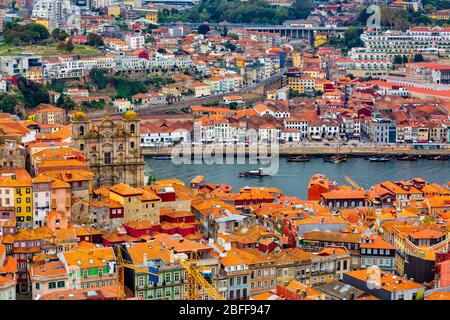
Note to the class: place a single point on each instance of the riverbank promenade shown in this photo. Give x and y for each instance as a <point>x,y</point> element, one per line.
<point>310,149</point>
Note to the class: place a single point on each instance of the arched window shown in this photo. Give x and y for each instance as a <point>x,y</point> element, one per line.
<point>81,130</point>
<point>132,128</point>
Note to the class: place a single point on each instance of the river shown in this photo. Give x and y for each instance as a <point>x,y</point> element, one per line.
<point>293,177</point>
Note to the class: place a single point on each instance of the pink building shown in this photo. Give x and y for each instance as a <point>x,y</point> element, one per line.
<point>48,278</point>
<point>61,197</point>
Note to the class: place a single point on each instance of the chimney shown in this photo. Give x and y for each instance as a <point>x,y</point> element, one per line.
<point>172,257</point>
<point>145,259</point>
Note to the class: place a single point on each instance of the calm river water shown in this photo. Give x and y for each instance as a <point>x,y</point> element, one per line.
<point>292,178</point>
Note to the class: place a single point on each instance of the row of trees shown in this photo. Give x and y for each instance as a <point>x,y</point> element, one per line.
<point>396,18</point>
<point>252,11</point>
<point>16,34</point>
<point>399,59</point>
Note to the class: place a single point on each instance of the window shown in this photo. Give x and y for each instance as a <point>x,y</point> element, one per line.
<point>52,285</point>
<point>61,284</point>
<point>108,158</point>
<point>132,145</point>
<point>176,277</point>
<point>167,293</point>
<point>141,282</point>
<point>38,286</point>
<point>167,277</point>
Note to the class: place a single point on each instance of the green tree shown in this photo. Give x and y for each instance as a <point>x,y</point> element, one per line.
<point>59,34</point>
<point>203,29</point>
<point>233,36</point>
<point>65,102</point>
<point>60,100</point>
<point>428,8</point>
<point>95,40</point>
<point>99,78</point>
<point>230,46</point>
<point>394,18</point>
<point>224,32</point>
<point>8,103</point>
<point>127,88</point>
<point>398,59</point>
<point>233,105</point>
<point>418,57</point>
<point>352,37</point>
<point>33,93</point>
<point>69,45</point>
<point>15,34</point>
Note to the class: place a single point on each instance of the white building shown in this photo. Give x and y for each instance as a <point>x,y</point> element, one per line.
<point>50,10</point>
<point>217,131</point>
<point>425,40</point>
<point>152,136</point>
<point>41,200</point>
<point>122,105</point>
<point>135,41</point>
<point>297,123</point>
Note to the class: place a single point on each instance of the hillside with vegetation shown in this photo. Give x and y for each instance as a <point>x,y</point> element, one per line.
<point>253,11</point>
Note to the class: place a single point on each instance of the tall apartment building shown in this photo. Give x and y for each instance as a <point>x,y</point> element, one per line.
<point>48,13</point>
<point>426,40</point>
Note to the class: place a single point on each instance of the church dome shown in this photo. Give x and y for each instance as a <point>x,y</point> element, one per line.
<point>80,116</point>
<point>130,115</point>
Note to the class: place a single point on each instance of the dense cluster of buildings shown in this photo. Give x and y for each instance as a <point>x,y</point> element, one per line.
<point>64,214</point>
<point>75,202</point>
